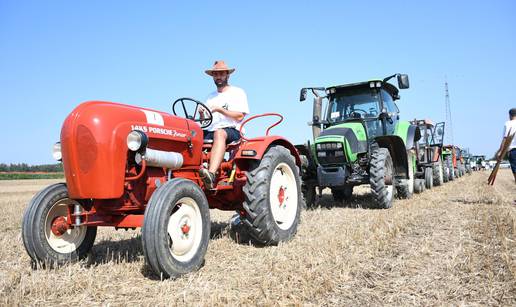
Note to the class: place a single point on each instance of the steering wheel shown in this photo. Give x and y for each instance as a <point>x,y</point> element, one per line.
<point>205,116</point>
<point>355,112</point>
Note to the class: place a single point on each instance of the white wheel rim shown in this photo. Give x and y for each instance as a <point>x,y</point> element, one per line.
<point>185,230</point>
<point>72,238</point>
<point>283,196</point>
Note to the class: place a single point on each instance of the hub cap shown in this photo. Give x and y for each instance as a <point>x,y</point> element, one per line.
<point>59,235</point>
<point>283,196</point>
<point>185,229</point>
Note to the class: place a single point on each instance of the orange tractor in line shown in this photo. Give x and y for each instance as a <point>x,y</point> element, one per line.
<point>129,167</point>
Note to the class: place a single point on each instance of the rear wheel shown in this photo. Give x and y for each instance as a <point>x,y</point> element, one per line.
<point>273,198</point>
<point>47,235</point>
<point>342,193</point>
<point>176,228</point>
<point>429,178</point>
<point>381,178</point>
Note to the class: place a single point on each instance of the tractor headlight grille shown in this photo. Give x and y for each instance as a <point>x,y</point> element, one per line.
<point>330,153</point>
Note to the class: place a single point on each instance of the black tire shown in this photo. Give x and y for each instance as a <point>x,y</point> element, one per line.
<point>176,210</point>
<point>437,170</point>
<point>419,186</point>
<point>405,188</point>
<point>42,244</point>
<point>342,193</point>
<point>429,178</point>
<point>309,193</point>
<point>381,178</point>
<point>446,173</point>
<point>260,219</point>
<point>460,168</point>
<point>449,164</point>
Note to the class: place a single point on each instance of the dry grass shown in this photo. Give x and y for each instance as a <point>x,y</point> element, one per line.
<point>453,245</point>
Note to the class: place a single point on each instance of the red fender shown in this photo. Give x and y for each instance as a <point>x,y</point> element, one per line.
<point>255,148</point>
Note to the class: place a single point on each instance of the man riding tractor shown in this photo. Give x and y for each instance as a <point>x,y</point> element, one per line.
<point>128,167</point>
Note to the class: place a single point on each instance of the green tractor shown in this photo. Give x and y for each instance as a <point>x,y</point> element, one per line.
<point>467,158</point>
<point>429,163</point>
<point>359,139</point>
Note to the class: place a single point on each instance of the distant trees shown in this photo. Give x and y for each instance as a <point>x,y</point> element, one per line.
<point>24,167</point>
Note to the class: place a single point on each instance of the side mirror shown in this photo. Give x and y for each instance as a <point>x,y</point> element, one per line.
<point>403,81</point>
<point>302,94</point>
<point>440,131</point>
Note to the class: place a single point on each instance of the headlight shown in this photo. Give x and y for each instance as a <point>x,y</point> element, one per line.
<point>321,154</point>
<point>137,140</point>
<point>56,151</point>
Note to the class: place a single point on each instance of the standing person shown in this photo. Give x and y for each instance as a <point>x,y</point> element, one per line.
<point>510,127</point>
<point>228,105</point>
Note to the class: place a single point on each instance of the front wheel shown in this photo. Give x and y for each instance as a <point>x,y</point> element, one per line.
<point>176,228</point>
<point>273,198</point>
<point>429,178</point>
<point>47,234</point>
<point>381,178</point>
<point>309,193</point>
<point>438,175</point>
<point>406,187</point>
<point>342,193</point>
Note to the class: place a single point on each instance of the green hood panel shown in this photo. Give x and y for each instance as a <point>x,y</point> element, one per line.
<point>402,129</point>
<point>352,135</point>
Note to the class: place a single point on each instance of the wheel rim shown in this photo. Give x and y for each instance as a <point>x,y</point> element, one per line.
<point>185,229</point>
<point>60,237</point>
<point>283,196</point>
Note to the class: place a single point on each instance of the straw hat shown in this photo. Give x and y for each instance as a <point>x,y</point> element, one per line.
<point>219,66</point>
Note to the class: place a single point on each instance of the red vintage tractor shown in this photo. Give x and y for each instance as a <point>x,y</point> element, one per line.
<point>129,167</point>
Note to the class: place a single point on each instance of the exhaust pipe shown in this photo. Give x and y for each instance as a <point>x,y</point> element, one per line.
<point>316,119</point>
<point>159,158</point>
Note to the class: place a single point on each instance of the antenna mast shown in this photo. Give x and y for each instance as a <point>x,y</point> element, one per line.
<point>449,125</point>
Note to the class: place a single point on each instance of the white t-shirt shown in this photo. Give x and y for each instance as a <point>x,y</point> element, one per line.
<point>510,125</point>
<point>232,99</point>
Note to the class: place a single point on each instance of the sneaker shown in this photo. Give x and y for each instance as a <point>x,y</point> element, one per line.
<point>207,177</point>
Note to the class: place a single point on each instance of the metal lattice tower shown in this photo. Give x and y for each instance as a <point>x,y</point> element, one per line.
<point>449,126</point>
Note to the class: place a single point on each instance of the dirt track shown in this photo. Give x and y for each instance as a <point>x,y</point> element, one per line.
<point>454,244</point>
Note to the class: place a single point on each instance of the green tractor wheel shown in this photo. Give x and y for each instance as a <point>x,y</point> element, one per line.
<point>341,194</point>
<point>419,186</point>
<point>405,188</point>
<point>429,178</point>
<point>381,178</point>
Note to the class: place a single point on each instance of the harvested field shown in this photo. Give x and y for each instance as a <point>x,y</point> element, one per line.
<point>452,245</point>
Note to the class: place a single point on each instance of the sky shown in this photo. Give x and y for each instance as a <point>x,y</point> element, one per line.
<point>56,54</point>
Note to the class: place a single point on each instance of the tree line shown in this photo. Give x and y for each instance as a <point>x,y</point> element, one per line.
<point>24,167</point>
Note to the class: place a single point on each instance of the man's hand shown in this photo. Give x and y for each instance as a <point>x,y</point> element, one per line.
<point>202,112</point>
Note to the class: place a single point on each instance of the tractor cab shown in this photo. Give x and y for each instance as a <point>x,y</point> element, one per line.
<point>370,103</point>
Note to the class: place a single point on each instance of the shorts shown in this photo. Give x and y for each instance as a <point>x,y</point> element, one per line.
<point>512,159</point>
<point>232,133</point>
